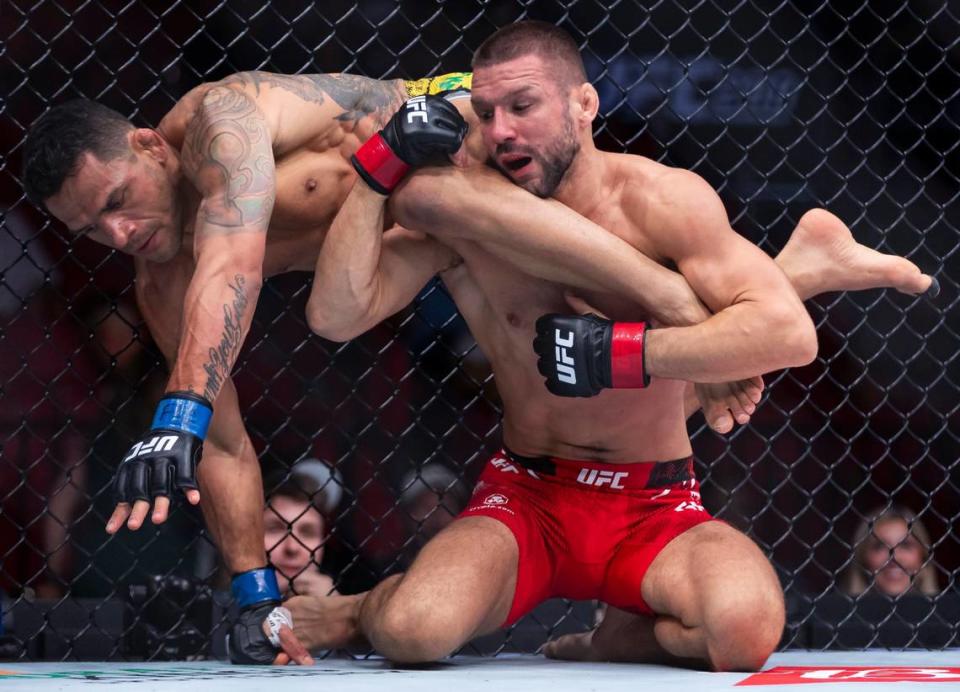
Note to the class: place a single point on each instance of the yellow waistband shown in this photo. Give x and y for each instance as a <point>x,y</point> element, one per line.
<point>452,81</point>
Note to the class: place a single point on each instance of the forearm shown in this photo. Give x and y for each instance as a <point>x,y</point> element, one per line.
<point>233,504</point>
<point>346,282</point>
<point>742,341</point>
<point>218,309</point>
<point>227,154</point>
<point>542,237</point>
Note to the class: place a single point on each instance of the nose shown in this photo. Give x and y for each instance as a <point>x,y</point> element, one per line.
<point>118,230</point>
<point>291,546</point>
<point>501,127</point>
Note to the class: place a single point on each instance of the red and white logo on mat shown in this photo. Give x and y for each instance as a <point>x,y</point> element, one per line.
<point>496,499</point>
<point>794,675</point>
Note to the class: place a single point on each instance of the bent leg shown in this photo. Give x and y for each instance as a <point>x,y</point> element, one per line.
<point>717,601</point>
<point>718,598</point>
<point>461,585</point>
<point>541,237</point>
<point>621,637</point>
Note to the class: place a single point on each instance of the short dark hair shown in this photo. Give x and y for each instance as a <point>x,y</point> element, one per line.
<point>311,481</point>
<point>544,39</point>
<point>57,141</point>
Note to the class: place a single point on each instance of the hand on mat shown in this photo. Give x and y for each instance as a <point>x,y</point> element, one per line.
<point>293,650</point>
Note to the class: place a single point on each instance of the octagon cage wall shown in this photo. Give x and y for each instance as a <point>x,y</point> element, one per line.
<point>781,106</point>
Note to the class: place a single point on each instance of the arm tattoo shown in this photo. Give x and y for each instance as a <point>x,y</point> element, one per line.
<point>223,356</point>
<point>229,154</point>
<point>359,97</point>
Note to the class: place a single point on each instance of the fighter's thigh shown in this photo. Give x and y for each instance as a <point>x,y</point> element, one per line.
<point>711,571</point>
<point>467,574</point>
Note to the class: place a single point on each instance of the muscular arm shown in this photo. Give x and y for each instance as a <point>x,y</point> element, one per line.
<point>227,155</point>
<point>229,472</point>
<point>759,324</point>
<point>365,275</point>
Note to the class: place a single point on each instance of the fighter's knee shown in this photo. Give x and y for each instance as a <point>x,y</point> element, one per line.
<point>424,199</point>
<point>412,633</point>
<point>744,634</point>
<point>797,333</point>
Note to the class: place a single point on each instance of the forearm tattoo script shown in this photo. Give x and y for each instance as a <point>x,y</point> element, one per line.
<point>223,356</point>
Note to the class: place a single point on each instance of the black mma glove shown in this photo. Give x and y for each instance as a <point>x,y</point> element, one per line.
<point>166,456</point>
<point>579,355</point>
<point>258,596</point>
<point>425,129</point>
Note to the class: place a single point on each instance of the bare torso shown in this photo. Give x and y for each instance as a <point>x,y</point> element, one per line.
<point>501,305</point>
<point>321,128</point>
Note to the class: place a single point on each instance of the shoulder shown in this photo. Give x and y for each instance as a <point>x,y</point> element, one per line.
<point>668,199</point>
<point>174,124</point>
<point>660,190</point>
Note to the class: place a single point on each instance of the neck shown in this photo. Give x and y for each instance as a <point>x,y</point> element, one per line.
<point>581,186</point>
<point>189,202</point>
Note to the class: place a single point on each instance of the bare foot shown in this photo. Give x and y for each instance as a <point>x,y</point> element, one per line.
<point>727,403</point>
<point>571,647</point>
<point>822,256</point>
<point>622,637</point>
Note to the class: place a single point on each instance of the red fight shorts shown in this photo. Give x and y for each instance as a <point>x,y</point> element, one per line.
<point>586,530</point>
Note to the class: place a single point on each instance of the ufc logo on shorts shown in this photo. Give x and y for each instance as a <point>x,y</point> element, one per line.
<point>417,109</point>
<point>598,478</point>
<point>504,465</point>
<point>565,371</point>
<point>157,444</point>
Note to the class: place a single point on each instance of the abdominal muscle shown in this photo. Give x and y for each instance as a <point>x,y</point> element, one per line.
<point>615,426</point>
<point>500,305</point>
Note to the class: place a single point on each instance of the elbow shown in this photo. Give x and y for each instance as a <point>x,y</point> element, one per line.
<point>798,337</point>
<point>323,321</point>
<point>426,201</point>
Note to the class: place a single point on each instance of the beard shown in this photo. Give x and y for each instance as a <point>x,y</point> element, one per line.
<point>554,161</point>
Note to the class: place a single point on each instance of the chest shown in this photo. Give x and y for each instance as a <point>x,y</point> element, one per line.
<point>515,298</point>
<point>311,186</point>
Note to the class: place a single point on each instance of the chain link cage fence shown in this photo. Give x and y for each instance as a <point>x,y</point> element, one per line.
<point>781,106</point>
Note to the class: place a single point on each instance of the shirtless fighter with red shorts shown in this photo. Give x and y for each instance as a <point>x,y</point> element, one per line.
<point>592,497</point>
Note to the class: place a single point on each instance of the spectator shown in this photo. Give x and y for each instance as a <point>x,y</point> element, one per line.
<point>892,556</point>
<point>301,505</point>
<point>431,497</point>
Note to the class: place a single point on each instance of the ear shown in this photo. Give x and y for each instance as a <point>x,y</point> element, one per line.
<point>589,101</point>
<point>150,143</point>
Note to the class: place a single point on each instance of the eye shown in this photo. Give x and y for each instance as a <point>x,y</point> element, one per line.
<point>116,201</point>
<point>485,115</point>
<point>521,107</point>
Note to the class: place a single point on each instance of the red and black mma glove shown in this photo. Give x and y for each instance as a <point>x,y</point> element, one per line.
<point>580,355</point>
<point>424,130</point>
<point>167,455</point>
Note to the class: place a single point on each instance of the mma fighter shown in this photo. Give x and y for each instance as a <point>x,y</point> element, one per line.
<point>592,497</point>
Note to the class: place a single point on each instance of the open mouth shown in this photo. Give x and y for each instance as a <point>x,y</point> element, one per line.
<point>514,164</point>
<point>145,243</point>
